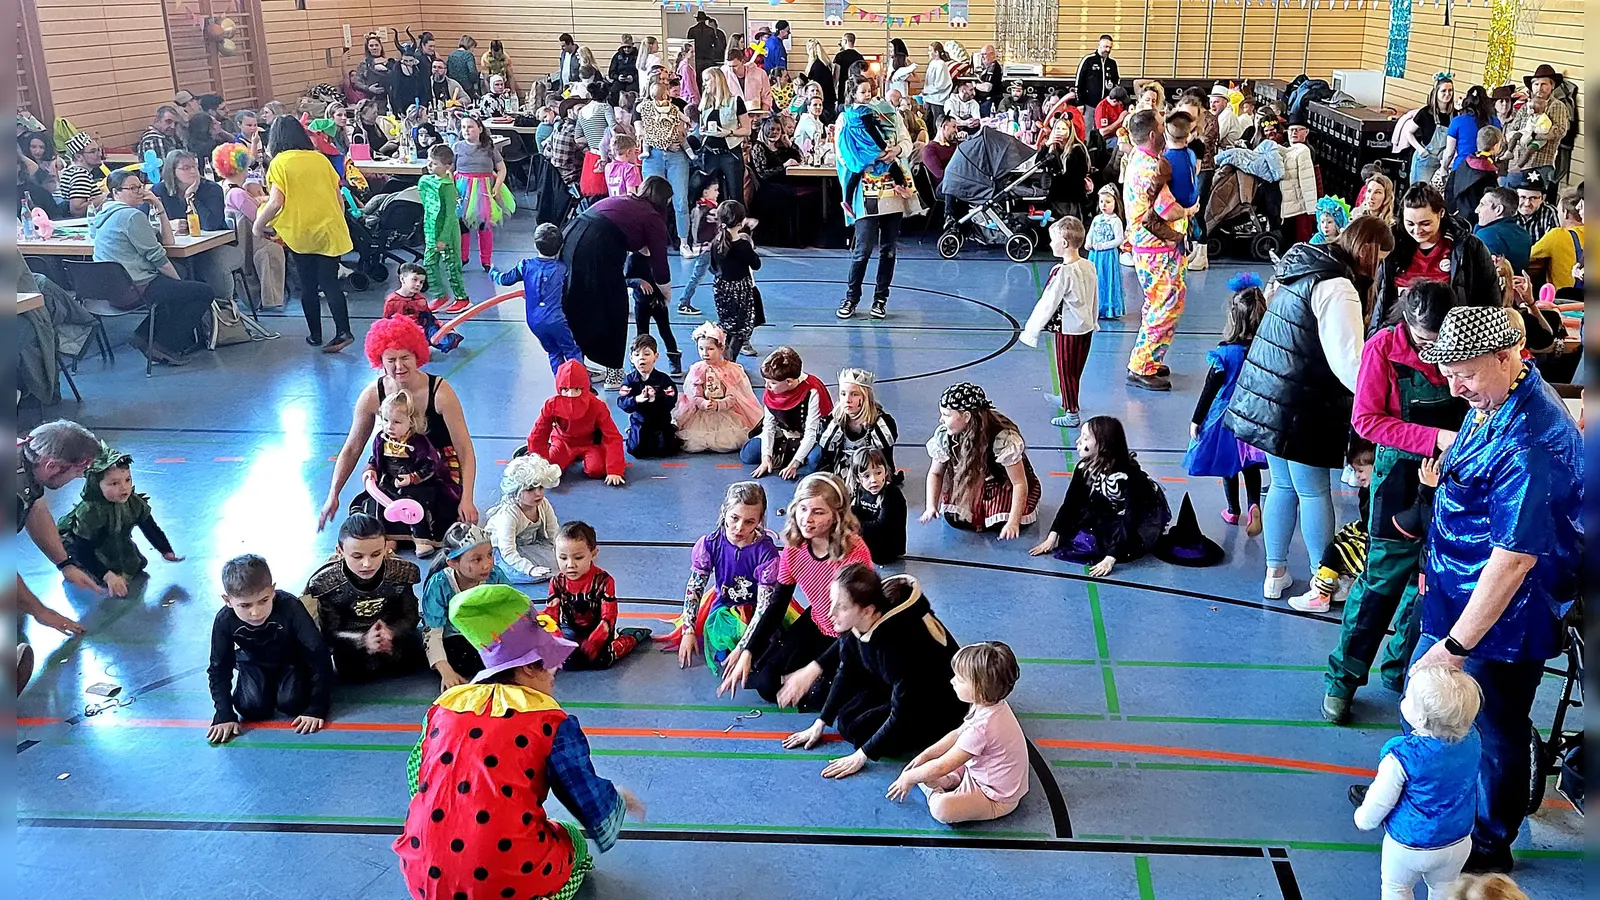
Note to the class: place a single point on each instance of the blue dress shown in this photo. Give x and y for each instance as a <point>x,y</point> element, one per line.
<point>1107,269</point>
<point>1216,452</point>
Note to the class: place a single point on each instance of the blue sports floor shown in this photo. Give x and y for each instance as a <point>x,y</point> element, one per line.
<point>1174,714</point>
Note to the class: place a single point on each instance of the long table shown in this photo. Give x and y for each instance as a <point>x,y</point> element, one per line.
<point>389,166</point>
<point>182,245</point>
<point>27,302</point>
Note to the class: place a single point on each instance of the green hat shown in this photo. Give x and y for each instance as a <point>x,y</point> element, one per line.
<point>498,620</point>
<point>107,459</point>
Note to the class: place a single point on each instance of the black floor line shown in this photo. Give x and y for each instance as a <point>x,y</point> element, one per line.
<point>26,745</point>
<point>1287,883</point>
<point>953,842</point>
<point>1052,792</point>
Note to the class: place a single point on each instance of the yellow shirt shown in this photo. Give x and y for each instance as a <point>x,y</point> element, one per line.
<point>312,220</point>
<point>1556,246</point>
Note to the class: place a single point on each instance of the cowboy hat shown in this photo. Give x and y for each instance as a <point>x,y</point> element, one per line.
<point>1504,92</point>
<point>1471,331</point>
<point>1545,70</point>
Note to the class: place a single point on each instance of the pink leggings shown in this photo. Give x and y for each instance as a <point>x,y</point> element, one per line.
<point>485,244</point>
<point>957,798</point>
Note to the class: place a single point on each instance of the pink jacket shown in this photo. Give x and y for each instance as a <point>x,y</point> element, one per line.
<point>1377,406</point>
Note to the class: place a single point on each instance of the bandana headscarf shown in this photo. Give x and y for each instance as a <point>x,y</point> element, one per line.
<point>964,397</point>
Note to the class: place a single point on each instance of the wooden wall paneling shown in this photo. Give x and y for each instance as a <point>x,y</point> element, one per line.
<point>108,64</point>
<point>33,84</point>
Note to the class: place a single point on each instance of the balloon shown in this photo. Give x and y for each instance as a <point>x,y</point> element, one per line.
<point>42,224</point>
<point>472,311</point>
<point>228,47</point>
<point>406,512</point>
<point>227,26</point>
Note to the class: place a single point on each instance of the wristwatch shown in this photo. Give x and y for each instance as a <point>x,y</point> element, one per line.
<point>1454,647</point>
<point>69,561</point>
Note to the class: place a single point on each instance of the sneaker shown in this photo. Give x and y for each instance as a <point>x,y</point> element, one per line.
<point>613,380</point>
<point>459,306</point>
<point>1312,601</point>
<point>486,267</point>
<point>688,309</point>
<point>339,342</point>
<point>880,309</point>
<point>675,362</point>
<point>1275,585</point>
<point>1070,420</point>
<point>1337,711</point>
<point>1149,382</point>
<point>425,548</point>
<point>1232,518</point>
<point>847,309</point>
<point>1252,525</point>
<point>748,349</point>
<point>1343,591</point>
<point>311,339</point>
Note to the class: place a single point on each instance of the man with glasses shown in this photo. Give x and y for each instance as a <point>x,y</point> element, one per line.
<point>83,180</point>
<point>125,235</point>
<point>161,137</point>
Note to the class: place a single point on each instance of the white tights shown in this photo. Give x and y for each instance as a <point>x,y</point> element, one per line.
<point>1439,869</point>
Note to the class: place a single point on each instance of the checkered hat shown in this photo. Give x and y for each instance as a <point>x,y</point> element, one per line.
<point>965,397</point>
<point>79,143</point>
<point>1470,331</point>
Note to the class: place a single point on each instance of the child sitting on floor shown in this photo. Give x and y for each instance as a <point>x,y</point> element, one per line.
<point>467,561</point>
<point>404,465</point>
<point>716,408</point>
<point>1426,793</point>
<point>979,771</point>
<point>271,642</point>
<point>98,531</point>
<point>1213,450</point>
<point>365,603</point>
<point>796,403</point>
<point>1345,557</point>
<point>726,570</point>
<point>583,602</point>
<point>1114,511</point>
<point>858,422</point>
<point>410,300</point>
<point>523,525</point>
<point>543,279</point>
<point>648,396</point>
<point>575,424</point>
<point>878,503</point>
<point>1067,307</point>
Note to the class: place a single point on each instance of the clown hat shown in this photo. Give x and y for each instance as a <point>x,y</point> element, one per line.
<point>497,619</point>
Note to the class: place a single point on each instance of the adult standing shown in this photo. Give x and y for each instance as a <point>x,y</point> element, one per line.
<point>596,250</point>
<point>890,693</point>
<point>374,75</point>
<point>844,61</point>
<point>52,456</point>
<point>1461,140</point>
<point>1504,557</point>
<point>1402,406</point>
<point>876,221</point>
<point>775,53</point>
<point>569,64</point>
<point>1156,260</point>
<point>1437,247</point>
<point>937,85</point>
<point>398,349</point>
<point>664,148</point>
<point>1066,158</point>
<point>496,62</point>
<point>1424,132</point>
<point>1097,75</point>
<point>304,210</point>
<point>819,74</point>
<point>748,82</point>
<point>1230,126</point>
<point>900,68</point>
<point>1532,145</point>
<point>624,70</point>
<point>462,66</point>
<point>124,235</point>
<point>411,84</point>
<point>988,78</point>
<point>724,126</point>
<point>649,62</point>
<point>1296,390</point>
<point>710,43</point>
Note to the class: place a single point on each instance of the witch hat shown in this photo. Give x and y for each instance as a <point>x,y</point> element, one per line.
<point>1185,544</point>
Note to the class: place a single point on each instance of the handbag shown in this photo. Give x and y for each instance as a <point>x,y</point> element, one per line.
<point>223,324</point>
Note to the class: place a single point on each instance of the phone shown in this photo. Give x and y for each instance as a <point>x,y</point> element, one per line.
<point>103,689</point>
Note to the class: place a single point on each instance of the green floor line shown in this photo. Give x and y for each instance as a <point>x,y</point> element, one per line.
<point>477,352</point>
<point>1287,723</point>
<point>1259,667</point>
<point>1141,872</point>
<point>1108,676</point>
<point>1083,763</point>
<point>1102,647</point>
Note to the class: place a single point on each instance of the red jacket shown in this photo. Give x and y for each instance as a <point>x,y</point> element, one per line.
<point>1377,405</point>
<point>577,421</point>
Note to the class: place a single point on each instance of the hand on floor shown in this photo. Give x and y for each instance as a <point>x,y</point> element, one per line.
<point>49,618</point>
<point>224,732</point>
<point>1009,531</point>
<point>1102,568</point>
<point>1047,545</point>
<point>901,787</point>
<point>686,647</point>
<point>82,580</point>
<point>634,805</point>
<point>845,766</point>
<point>307,724</point>
<point>738,674</point>
<point>805,739</point>
<point>170,556</point>
<point>116,585</point>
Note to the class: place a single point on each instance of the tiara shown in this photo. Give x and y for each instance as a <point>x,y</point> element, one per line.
<point>859,377</point>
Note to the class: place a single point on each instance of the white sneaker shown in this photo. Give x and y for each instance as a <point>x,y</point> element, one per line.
<point>1275,585</point>
<point>1310,601</point>
<point>1345,584</point>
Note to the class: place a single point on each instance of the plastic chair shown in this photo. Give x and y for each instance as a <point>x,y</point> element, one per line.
<point>105,289</point>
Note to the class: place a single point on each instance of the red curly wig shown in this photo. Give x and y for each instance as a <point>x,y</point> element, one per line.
<point>396,333</point>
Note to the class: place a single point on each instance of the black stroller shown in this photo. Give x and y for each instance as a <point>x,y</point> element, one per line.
<point>1243,212</point>
<point>1561,754</point>
<point>987,188</point>
<point>389,225</point>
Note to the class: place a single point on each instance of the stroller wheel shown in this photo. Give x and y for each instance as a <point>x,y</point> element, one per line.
<point>1019,247</point>
<point>1539,759</point>
<point>378,272</point>
<point>1263,246</point>
<point>950,244</point>
<point>1214,247</point>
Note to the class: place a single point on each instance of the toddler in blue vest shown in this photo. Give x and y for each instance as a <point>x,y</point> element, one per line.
<point>1426,793</point>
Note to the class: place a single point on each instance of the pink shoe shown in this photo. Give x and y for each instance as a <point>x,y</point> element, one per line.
<point>1231,518</point>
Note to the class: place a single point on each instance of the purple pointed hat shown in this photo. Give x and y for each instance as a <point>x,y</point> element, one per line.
<point>499,621</point>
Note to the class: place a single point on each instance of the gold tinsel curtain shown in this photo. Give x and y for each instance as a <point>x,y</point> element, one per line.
<point>1026,29</point>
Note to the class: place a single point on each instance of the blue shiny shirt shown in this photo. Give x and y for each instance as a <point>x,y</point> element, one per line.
<point>1512,481</point>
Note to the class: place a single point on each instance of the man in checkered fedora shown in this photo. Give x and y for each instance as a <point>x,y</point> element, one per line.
<point>1504,550</point>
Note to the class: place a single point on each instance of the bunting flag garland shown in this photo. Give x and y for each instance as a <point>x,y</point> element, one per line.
<point>948,10</point>
<point>1502,41</point>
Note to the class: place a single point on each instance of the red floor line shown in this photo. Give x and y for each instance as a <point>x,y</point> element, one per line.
<point>169,459</point>
<point>1283,762</point>
<point>730,465</point>
<point>674,465</point>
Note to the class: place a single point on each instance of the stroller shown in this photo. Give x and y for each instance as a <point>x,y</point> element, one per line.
<point>1561,754</point>
<point>389,225</point>
<point>994,174</point>
<point>1240,213</point>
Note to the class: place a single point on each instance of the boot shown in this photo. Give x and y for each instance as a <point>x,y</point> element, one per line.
<point>675,362</point>
<point>1198,260</point>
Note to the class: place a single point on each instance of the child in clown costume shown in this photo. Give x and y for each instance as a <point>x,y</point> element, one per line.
<point>490,753</point>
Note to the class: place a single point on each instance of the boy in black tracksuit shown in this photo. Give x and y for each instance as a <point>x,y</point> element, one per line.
<point>648,396</point>
<point>269,639</point>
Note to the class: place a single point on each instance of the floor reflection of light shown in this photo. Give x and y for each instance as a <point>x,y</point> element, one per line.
<point>272,511</point>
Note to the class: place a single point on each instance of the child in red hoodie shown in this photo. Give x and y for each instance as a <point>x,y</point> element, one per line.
<point>575,424</point>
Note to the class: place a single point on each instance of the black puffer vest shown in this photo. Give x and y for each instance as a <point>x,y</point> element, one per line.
<point>1288,402</point>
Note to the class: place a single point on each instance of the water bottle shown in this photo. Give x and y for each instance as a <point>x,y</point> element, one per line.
<point>28,231</point>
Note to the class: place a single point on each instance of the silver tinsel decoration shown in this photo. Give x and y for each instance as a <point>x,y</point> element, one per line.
<point>1027,28</point>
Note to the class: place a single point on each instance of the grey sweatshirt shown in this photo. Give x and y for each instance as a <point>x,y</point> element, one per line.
<point>123,235</point>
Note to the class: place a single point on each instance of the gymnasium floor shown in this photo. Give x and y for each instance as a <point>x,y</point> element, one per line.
<point>1178,751</point>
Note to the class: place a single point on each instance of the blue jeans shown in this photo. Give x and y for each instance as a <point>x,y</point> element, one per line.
<point>1303,490</point>
<point>750,455</point>
<point>1505,726</point>
<point>697,273</point>
<point>555,336</point>
<point>673,165</point>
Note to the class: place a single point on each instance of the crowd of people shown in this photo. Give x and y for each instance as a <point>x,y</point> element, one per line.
<point>1400,337</point>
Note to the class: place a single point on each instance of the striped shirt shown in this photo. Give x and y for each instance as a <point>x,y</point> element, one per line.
<point>79,183</point>
<point>814,577</point>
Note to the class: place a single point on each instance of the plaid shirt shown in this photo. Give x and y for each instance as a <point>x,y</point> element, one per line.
<point>158,142</point>
<point>594,800</point>
<point>565,150</point>
<point>1550,143</point>
<point>1540,222</point>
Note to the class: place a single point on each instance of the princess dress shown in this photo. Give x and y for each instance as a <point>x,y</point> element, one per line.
<point>1106,229</point>
<point>722,430</point>
<point>481,204</point>
<point>1215,452</point>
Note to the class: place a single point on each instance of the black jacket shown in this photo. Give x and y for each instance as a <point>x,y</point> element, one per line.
<point>1467,187</point>
<point>346,608</point>
<point>624,72</point>
<point>288,638</point>
<point>1288,403</point>
<point>883,520</point>
<point>1472,271</point>
<point>1097,75</point>
<point>907,653</point>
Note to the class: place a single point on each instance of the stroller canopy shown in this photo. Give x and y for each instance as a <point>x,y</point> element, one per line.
<point>981,161</point>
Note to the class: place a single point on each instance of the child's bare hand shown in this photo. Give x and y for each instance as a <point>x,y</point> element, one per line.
<point>901,787</point>
<point>738,673</point>
<point>1045,546</point>
<point>307,724</point>
<point>403,480</point>
<point>441,246</point>
<point>633,804</point>
<point>1102,568</point>
<point>764,469</point>
<point>686,649</point>
<point>378,639</point>
<point>49,618</point>
<point>615,480</point>
<point>928,514</point>
<point>791,471</point>
<point>805,739</point>
<point>1445,439</point>
<point>1428,473</point>
<point>116,584</point>
<point>449,678</point>
<point>171,556</point>
<point>1009,531</point>
<point>1194,431</point>
<point>224,732</point>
